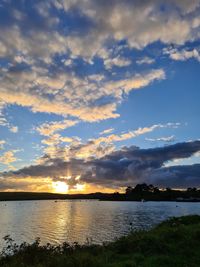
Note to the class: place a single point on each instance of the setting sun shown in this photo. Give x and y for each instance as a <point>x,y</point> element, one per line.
<point>60,187</point>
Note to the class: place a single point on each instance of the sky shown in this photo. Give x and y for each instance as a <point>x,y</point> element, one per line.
<point>99,95</point>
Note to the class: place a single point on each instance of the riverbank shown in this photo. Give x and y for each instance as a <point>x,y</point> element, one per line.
<point>174,243</point>
<point>172,195</point>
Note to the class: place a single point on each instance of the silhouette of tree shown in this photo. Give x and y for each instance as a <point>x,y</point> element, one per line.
<point>129,190</point>
<point>151,188</point>
<point>141,188</point>
<point>168,190</point>
<point>156,190</point>
<point>190,189</point>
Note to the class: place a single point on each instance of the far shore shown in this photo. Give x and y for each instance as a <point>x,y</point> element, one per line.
<point>174,195</point>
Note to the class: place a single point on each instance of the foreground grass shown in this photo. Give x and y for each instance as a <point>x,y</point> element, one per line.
<point>173,243</point>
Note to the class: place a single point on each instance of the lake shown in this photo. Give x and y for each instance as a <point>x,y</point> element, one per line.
<point>80,220</point>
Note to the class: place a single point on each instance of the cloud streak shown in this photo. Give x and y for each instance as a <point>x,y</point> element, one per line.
<point>48,129</point>
<point>163,139</point>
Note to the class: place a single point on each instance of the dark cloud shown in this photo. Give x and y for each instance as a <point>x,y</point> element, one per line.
<point>177,176</point>
<point>123,167</point>
<point>51,168</point>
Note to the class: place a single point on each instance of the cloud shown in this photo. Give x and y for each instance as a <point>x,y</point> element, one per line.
<point>55,139</point>
<point>130,166</point>
<point>8,157</point>
<point>127,166</point>
<point>117,61</point>
<point>96,147</point>
<point>133,134</point>
<point>3,121</point>
<point>164,139</point>
<point>47,129</point>
<point>140,23</point>
<point>79,97</point>
<point>13,129</point>
<point>38,49</point>
<point>2,143</point>
<point>28,185</point>
<point>107,131</point>
<point>145,60</point>
<point>184,54</point>
<point>182,176</point>
<point>71,100</point>
<point>137,82</point>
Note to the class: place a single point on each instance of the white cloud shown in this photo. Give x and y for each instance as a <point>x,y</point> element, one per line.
<point>3,120</point>
<point>13,129</point>
<point>8,157</point>
<point>164,139</point>
<point>90,98</point>
<point>97,147</point>
<point>68,62</point>
<point>136,82</point>
<point>145,60</point>
<point>117,61</point>
<point>136,22</point>
<point>70,95</point>
<point>183,54</point>
<point>50,128</point>
<point>139,23</point>
<point>135,133</point>
<point>107,131</point>
<point>2,143</point>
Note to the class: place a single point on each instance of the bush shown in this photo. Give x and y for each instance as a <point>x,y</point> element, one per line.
<point>173,243</point>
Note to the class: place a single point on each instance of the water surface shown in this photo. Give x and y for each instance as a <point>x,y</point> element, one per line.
<point>97,221</point>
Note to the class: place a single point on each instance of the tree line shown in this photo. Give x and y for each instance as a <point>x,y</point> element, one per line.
<point>145,188</point>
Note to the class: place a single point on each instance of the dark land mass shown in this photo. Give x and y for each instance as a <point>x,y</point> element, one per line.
<point>141,192</point>
<point>174,243</point>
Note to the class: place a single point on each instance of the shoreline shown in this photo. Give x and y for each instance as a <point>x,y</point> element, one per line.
<point>175,196</point>
<point>174,242</point>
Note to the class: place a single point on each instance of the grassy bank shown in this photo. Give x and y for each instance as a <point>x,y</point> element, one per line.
<point>173,243</point>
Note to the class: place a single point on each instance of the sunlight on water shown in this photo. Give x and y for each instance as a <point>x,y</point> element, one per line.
<point>98,221</point>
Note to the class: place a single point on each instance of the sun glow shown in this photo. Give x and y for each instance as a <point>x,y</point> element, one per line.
<point>60,187</point>
<point>80,187</point>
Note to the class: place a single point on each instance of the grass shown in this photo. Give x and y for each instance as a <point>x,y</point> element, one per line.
<point>173,243</point>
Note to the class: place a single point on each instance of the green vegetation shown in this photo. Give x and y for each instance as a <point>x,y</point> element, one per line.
<point>174,243</point>
<point>152,193</point>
